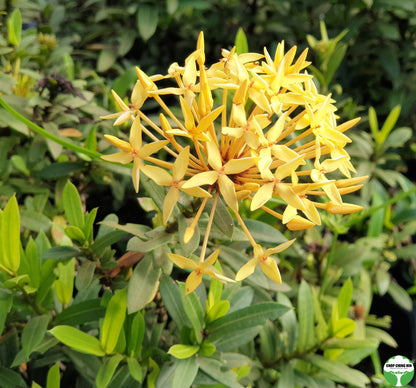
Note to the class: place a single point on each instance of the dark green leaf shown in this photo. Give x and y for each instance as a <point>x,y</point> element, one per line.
<point>142,284</point>
<point>35,221</point>
<point>305,317</point>
<point>34,332</point>
<point>72,205</point>
<point>58,170</point>
<point>213,368</point>
<point>10,378</point>
<point>135,369</point>
<point>107,370</point>
<point>185,372</point>
<point>244,318</point>
<point>172,300</point>
<point>80,313</point>
<point>137,245</point>
<point>193,310</point>
<point>63,252</point>
<point>147,20</point>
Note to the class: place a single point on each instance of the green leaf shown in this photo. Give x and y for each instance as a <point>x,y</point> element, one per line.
<point>172,6</point>
<point>135,332</point>
<point>185,372</point>
<point>400,296</point>
<point>183,351</point>
<point>6,303</point>
<point>62,169</point>
<point>218,310</point>
<point>147,20</point>
<point>64,285</point>
<point>373,121</point>
<point>35,221</point>
<point>264,233</point>
<point>34,332</point>
<point>338,372</point>
<point>172,300</point>
<point>241,44</point>
<point>75,233</point>
<point>78,340</point>
<point>10,378</point>
<point>113,320</point>
<point>63,252</point>
<point>377,218</point>
<point>287,377</point>
<point>14,25</point>
<point>106,59</point>
<point>343,327</point>
<point>244,318</point>
<point>107,370</point>
<point>91,140</point>
<point>193,310</point>
<point>289,324</point>
<point>80,313</point>
<point>10,236</point>
<point>137,245</point>
<point>213,368</point>
<point>305,317</point>
<point>349,343</point>
<point>344,299</point>
<point>142,284</point>
<point>72,205</point>
<point>53,379</point>
<point>31,263</point>
<point>135,369</point>
<point>389,123</point>
<point>85,275</point>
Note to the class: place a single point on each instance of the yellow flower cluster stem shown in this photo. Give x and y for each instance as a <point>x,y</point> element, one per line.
<point>271,135</point>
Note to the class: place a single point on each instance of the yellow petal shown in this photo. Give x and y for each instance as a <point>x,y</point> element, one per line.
<point>192,282</point>
<point>289,196</point>
<point>181,164</point>
<point>119,101</point>
<point>187,115</point>
<point>138,95</point>
<point>299,223</point>
<point>227,190</point>
<point>275,131</point>
<point>169,203</point>
<point>195,192</point>
<point>286,169</point>
<point>136,134</point>
<point>311,212</point>
<point>201,179</point>
<point>122,118</point>
<point>123,145</point>
<point>279,248</point>
<point>289,213</point>
<point>211,259</point>
<point>157,174</point>
<point>269,268</point>
<point>135,174</point>
<point>214,156</point>
<point>182,262</point>
<point>151,148</point>
<point>333,193</point>
<point>345,208</point>
<point>246,270</point>
<point>263,194</point>
<point>235,166</point>
<point>209,119</point>
<point>234,132</point>
<point>119,157</point>
<point>284,153</point>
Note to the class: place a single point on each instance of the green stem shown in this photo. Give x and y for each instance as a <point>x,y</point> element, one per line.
<point>36,128</point>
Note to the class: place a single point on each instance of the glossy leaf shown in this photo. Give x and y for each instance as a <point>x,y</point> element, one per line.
<point>78,340</point>
<point>147,20</point>
<point>338,372</point>
<point>61,253</point>
<point>244,318</point>
<point>172,300</point>
<point>79,313</point>
<point>183,351</point>
<point>72,205</point>
<point>10,236</point>
<point>10,379</point>
<point>53,379</point>
<point>135,334</point>
<point>14,25</point>
<point>34,332</point>
<point>142,284</point>
<point>193,310</point>
<point>113,320</point>
<point>135,369</point>
<point>107,370</point>
<point>64,285</point>
<point>185,372</point>
<point>305,317</point>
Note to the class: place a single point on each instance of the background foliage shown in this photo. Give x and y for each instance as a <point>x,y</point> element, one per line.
<point>80,307</point>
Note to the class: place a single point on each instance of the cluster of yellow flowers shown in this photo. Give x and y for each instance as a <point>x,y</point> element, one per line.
<point>271,135</point>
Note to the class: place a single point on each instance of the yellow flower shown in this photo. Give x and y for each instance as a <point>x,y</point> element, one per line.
<point>133,150</point>
<point>219,173</point>
<point>175,182</point>
<point>267,264</point>
<point>195,277</point>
